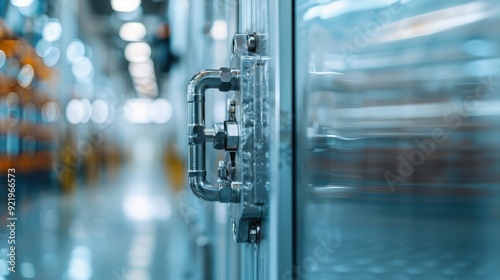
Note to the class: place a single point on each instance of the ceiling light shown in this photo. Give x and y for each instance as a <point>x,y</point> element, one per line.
<point>141,69</point>
<point>132,31</point>
<point>52,31</point>
<point>125,5</point>
<point>137,52</point>
<point>75,111</point>
<point>51,56</point>
<point>42,47</point>
<point>87,110</point>
<point>100,111</point>
<point>219,30</point>
<point>22,3</point>
<point>142,111</point>
<point>75,51</point>
<point>83,68</point>
<point>26,75</point>
<point>162,111</point>
<point>50,111</point>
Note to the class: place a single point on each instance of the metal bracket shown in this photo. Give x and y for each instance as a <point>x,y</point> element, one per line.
<point>248,43</point>
<point>251,172</point>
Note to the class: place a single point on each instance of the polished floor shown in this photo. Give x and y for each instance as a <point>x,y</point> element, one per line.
<point>114,230</point>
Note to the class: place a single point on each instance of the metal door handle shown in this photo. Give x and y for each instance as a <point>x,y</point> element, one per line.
<point>225,79</point>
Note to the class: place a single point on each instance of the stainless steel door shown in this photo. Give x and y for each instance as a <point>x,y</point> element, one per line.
<point>398,130</point>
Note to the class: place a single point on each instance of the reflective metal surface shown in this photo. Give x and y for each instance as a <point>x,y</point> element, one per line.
<point>398,107</point>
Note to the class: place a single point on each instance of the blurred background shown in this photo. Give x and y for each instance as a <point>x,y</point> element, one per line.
<point>92,118</point>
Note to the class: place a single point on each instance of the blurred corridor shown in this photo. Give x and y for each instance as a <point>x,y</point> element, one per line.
<point>85,124</point>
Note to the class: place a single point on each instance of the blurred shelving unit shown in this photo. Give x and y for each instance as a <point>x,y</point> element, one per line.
<point>28,107</point>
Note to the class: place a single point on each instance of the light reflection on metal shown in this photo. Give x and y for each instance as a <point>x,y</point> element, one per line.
<point>434,22</point>
<point>341,7</point>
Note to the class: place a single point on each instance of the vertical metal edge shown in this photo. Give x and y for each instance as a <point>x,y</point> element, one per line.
<point>281,188</point>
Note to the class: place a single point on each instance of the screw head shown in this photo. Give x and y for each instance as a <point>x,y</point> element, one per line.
<point>232,135</point>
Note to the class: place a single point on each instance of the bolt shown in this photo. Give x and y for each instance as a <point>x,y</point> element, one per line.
<point>196,134</point>
<point>219,136</point>
<point>231,135</point>
<point>252,42</point>
<point>225,77</point>
<point>222,171</point>
<point>254,233</point>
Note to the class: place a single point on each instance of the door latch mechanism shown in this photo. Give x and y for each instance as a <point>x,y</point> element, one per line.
<point>243,180</point>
